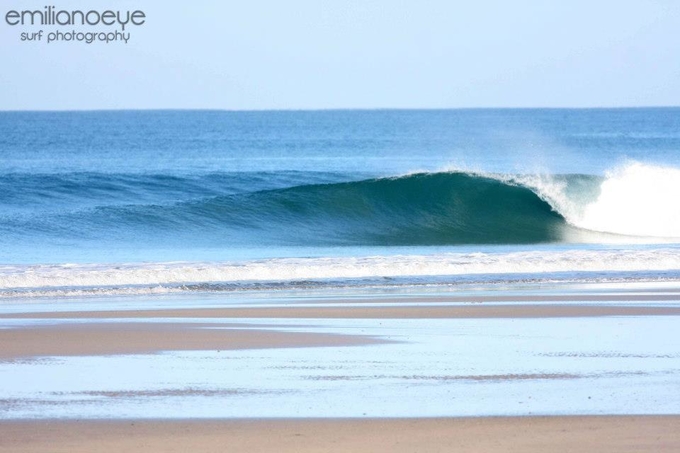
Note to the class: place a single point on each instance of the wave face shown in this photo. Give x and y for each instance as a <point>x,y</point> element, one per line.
<point>417,209</point>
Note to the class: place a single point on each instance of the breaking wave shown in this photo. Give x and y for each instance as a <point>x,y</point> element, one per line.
<point>440,208</point>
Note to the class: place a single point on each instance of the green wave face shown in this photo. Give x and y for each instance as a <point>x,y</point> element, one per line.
<point>419,209</point>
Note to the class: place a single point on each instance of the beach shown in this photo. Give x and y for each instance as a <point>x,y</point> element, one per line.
<point>339,372</point>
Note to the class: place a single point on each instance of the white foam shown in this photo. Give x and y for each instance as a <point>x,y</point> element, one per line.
<point>637,200</point>
<point>145,278</point>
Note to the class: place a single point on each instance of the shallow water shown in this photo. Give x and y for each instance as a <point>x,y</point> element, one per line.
<point>427,368</point>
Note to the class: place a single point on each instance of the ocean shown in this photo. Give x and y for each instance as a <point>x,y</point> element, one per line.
<point>163,202</point>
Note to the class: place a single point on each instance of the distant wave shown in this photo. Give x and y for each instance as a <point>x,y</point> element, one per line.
<point>441,208</point>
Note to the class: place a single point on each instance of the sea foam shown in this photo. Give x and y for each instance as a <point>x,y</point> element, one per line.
<point>144,278</point>
<point>635,199</point>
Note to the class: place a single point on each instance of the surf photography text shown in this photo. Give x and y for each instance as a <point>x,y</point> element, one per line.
<point>75,26</point>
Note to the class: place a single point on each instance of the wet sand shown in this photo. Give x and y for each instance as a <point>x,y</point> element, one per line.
<point>111,332</point>
<point>390,309</point>
<point>491,434</point>
<point>100,337</point>
<point>72,339</point>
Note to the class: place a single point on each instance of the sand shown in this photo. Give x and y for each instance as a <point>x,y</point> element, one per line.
<point>491,434</point>
<point>390,310</point>
<point>70,339</point>
<point>121,332</point>
<point>99,337</point>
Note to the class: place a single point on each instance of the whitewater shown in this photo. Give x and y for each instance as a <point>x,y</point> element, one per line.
<point>634,199</point>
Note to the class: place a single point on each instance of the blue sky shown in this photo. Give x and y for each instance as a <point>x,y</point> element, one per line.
<point>306,54</point>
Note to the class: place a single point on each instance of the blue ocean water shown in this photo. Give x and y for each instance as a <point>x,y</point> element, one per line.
<point>153,201</point>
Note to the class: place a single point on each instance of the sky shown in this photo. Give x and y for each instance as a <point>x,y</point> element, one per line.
<point>318,54</point>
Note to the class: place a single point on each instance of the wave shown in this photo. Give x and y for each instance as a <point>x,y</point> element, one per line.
<point>420,209</point>
<point>441,208</point>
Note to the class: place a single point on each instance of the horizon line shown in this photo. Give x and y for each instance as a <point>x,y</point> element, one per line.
<point>330,109</point>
